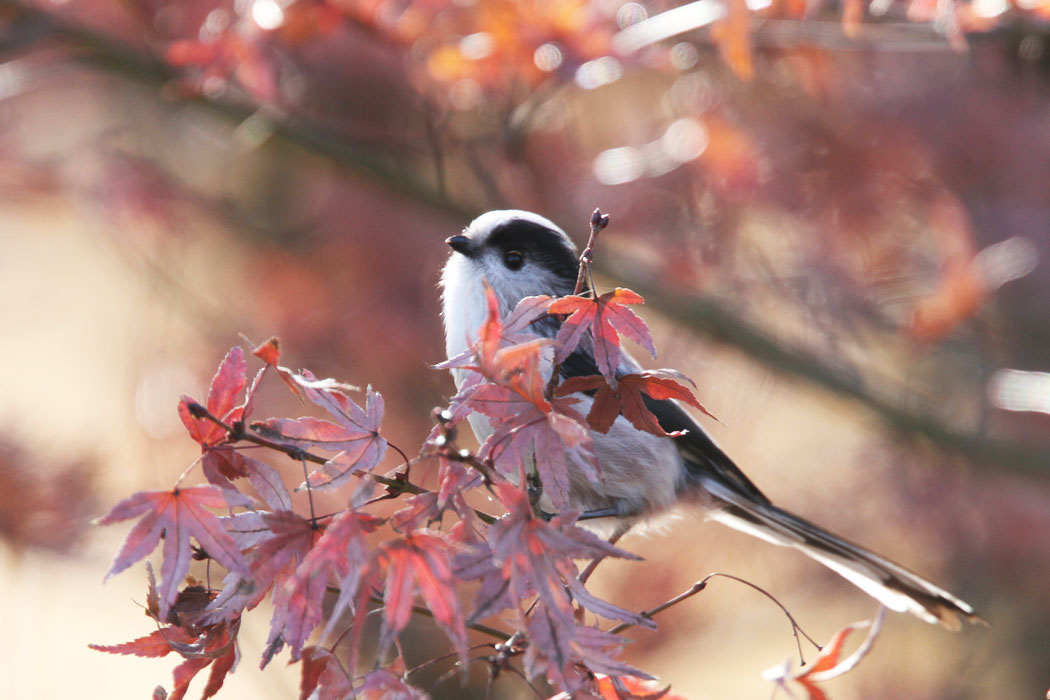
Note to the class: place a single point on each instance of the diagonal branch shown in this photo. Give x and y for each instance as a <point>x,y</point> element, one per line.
<point>714,318</point>
<point>705,314</point>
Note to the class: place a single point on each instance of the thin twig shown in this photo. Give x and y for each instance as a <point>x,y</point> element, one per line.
<point>422,610</point>
<point>525,680</point>
<point>598,222</point>
<point>648,614</point>
<point>445,657</point>
<point>238,433</point>
<point>701,584</point>
<point>593,564</point>
<point>399,484</point>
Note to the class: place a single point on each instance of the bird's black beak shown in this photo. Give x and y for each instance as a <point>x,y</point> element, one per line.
<point>461,244</point>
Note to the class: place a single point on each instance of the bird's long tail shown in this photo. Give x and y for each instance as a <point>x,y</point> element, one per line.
<point>891,584</point>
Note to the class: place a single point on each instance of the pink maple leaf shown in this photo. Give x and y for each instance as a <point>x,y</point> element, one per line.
<point>339,555</point>
<point>354,433</point>
<point>829,662</point>
<point>226,385</point>
<point>606,317</point>
<point>527,435</point>
<point>627,398</point>
<point>381,684</point>
<point>537,558</point>
<point>177,515</point>
<point>421,561</point>
<point>322,676</point>
<point>216,646</point>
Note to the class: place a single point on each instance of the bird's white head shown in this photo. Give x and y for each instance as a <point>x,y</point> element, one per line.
<point>518,253</point>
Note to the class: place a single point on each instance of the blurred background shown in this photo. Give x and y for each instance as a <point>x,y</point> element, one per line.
<point>837,212</point>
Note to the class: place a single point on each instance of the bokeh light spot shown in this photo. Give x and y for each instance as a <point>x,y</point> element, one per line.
<point>600,71</point>
<point>1005,261</point>
<point>547,57</point>
<point>630,14</point>
<point>617,166</point>
<point>477,46</point>
<point>683,55</point>
<point>684,140</point>
<point>988,8</point>
<point>1017,390</point>
<point>267,14</point>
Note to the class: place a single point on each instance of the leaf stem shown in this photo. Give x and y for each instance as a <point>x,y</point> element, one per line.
<point>309,494</point>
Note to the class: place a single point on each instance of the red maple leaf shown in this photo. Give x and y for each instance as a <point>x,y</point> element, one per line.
<point>158,643</point>
<point>526,435</point>
<point>496,333</point>
<point>277,542</point>
<point>537,557</point>
<point>418,511</point>
<point>828,664</point>
<point>525,313</point>
<point>626,398</point>
<point>177,515</point>
<point>227,383</point>
<point>291,540</point>
<point>606,317</point>
<point>474,561</point>
<point>270,352</point>
<point>421,561</point>
<point>355,432</point>
<point>454,478</point>
<point>510,355</point>
<point>221,654</point>
<point>381,684</point>
<point>507,353</point>
<point>216,647</point>
<point>562,651</point>
<point>626,688</point>
<point>222,464</point>
<point>322,677</point>
<point>340,555</point>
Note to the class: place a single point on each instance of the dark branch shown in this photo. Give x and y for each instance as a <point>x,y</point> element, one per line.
<point>714,318</point>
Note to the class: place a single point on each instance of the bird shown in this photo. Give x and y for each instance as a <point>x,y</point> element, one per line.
<point>518,254</point>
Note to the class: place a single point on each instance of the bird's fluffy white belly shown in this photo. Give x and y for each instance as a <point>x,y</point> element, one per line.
<point>640,472</point>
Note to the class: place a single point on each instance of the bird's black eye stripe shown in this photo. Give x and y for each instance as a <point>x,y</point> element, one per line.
<point>538,245</point>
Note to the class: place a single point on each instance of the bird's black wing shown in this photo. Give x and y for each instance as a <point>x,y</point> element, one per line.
<point>703,458</point>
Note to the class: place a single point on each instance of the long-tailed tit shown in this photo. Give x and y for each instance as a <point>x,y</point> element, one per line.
<point>522,254</point>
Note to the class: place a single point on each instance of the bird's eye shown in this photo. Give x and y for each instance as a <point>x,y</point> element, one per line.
<point>513,259</point>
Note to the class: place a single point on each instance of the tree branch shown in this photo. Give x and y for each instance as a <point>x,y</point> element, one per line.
<point>705,314</point>
<point>715,319</point>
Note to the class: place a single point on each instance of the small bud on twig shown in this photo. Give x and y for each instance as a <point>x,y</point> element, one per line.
<point>599,220</point>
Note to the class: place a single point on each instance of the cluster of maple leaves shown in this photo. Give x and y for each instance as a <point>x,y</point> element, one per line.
<point>231,47</point>
<point>518,568</point>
